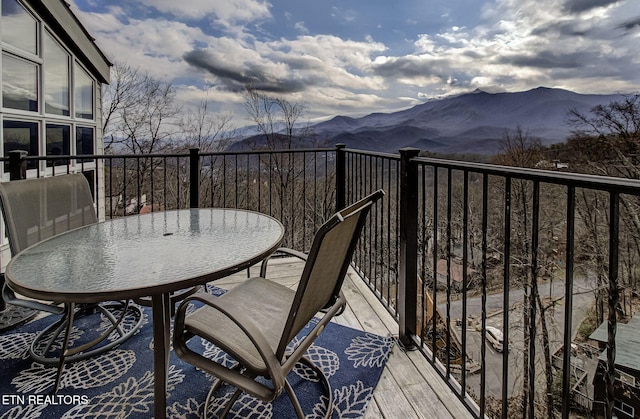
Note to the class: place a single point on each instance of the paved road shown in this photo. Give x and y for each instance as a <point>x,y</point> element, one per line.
<point>551,291</point>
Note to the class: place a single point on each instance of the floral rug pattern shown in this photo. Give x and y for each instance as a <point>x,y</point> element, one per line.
<point>119,383</point>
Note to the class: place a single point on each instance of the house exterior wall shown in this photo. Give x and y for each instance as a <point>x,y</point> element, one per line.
<point>51,76</point>
<point>625,392</point>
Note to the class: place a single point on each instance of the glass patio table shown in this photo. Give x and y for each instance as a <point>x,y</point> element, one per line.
<point>150,255</point>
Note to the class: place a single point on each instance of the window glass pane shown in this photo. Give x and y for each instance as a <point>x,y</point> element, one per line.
<point>58,143</point>
<point>20,135</point>
<point>90,175</point>
<point>84,141</point>
<point>19,28</point>
<point>83,87</point>
<point>56,78</point>
<point>19,84</point>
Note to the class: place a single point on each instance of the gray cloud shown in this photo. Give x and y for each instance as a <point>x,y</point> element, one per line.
<point>410,67</point>
<point>631,25</point>
<point>236,80</point>
<point>549,60</point>
<point>579,6</point>
<point>473,54</point>
<point>567,28</point>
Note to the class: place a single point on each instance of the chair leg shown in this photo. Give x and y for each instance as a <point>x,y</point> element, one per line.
<point>40,347</point>
<point>230,403</point>
<point>294,399</point>
<point>323,379</point>
<point>215,388</point>
<point>65,343</point>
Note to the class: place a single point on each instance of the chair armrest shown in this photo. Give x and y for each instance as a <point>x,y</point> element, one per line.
<point>10,298</point>
<point>285,250</point>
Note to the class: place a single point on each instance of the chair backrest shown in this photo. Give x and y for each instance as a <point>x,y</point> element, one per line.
<point>36,209</point>
<point>326,266</point>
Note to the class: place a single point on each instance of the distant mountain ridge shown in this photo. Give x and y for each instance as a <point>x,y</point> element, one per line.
<point>475,122</point>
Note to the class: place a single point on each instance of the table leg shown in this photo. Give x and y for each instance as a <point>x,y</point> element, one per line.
<point>160,307</point>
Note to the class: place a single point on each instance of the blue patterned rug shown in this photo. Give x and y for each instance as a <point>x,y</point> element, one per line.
<point>119,383</point>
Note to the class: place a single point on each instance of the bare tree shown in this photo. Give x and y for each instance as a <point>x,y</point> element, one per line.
<point>140,117</point>
<point>615,128</point>
<point>204,130</point>
<point>277,119</point>
<point>529,259</point>
<point>139,111</point>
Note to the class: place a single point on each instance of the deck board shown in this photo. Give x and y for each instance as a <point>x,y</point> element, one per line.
<point>409,386</point>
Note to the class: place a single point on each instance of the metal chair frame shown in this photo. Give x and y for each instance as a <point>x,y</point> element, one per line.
<point>261,347</point>
<point>22,198</point>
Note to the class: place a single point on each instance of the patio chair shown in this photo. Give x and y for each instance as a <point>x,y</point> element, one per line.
<point>257,321</point>
<point>34,210</point>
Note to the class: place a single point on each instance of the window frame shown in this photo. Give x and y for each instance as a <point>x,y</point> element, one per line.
<point>625,378</point>
<point>47,33</point>
<point>620,406</point>
<point>38,85</point>
<point>38,26</point>
<point>41,116</point>
<point>78,68</point>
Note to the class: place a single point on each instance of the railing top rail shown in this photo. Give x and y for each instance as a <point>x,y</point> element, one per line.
<point>373,153</point>
<point>604,183</point>
<point>281,151</point>
<point>103,156</point>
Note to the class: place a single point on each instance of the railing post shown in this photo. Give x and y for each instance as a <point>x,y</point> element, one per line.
<point>408,264</point>
<point>341,177</point>
<point>194,178</point>
<point>17,164</point>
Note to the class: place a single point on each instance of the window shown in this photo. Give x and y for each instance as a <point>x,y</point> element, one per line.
<point>58,143</point>
<point>83,87</point>
<point>84,141</point>
<point>90,175</point>
<point>624,408</point>
<point>56,77</point>
<point>21,135</point>
<point>49,99</point>
<point>626,378</point>
<point>19,27</point>
<point>19,84</point>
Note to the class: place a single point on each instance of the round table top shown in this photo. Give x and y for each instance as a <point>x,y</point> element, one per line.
<point>143,255</point>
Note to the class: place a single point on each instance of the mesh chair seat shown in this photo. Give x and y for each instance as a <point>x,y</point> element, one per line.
<point>268,314</point>
<point>257,322</point>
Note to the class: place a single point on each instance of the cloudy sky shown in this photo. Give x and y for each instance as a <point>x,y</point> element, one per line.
<point>354,57</point>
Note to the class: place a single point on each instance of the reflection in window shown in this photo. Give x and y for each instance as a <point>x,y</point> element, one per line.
<point>90,175</point>
<point>56,77</point>
<point>19,84</point>
<point>19,28</point>
<point>20,135</point>
<point>58,143</point>
<point>83,87</point>
<point>84,141</point>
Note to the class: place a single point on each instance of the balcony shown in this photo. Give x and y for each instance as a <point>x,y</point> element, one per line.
<point>454,250</point>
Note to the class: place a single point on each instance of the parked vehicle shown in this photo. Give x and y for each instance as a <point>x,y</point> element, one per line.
<point>494,336</point>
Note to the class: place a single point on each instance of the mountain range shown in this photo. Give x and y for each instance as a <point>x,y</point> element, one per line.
<point>474,122</point>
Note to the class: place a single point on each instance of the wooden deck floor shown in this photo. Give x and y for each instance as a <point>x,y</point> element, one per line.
<point>409,387</point>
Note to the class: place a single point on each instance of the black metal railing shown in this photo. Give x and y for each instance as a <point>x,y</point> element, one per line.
<point>454,251</point>
<point>485,247</point>
<point>295,186</point>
